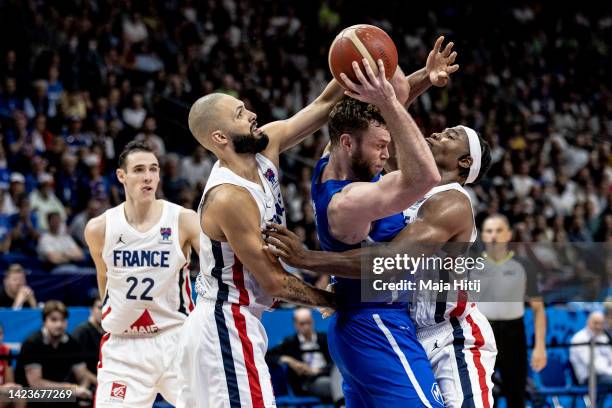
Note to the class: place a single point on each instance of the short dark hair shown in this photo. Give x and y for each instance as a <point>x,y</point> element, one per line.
<point>351,116</point>
<point>14,268</point>
<point>132,147</point>
<point>485,161</point>
<point>54,306</point>
<point>498,216</point>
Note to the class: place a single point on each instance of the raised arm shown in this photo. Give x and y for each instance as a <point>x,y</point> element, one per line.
<point>352,210</point>
<point>441,219</point>
<point>95,232</point>
<point>284,134</point>
<point>437,70</point>
<point>232,212</point>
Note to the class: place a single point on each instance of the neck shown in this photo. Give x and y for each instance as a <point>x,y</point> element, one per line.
<point>448,177</point>
<point>338,168</point>
<point>243,165</point>
<point>497,252</point>
<point>139,212</point>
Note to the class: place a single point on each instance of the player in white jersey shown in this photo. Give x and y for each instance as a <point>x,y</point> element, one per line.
<point>456,336</point>
<point>223,343</point>
<point>141,250</point>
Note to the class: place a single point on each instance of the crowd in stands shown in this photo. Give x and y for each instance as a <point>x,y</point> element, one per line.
<point>79,80</point>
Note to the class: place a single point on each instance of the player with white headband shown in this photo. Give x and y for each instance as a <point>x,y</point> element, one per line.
<point>457,338</point>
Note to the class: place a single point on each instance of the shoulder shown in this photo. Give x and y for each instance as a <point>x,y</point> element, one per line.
<point>35,339</point>
<point>449,203</point>
<point>186,215</point>
<point>227,195</point>
<point>96,226</point>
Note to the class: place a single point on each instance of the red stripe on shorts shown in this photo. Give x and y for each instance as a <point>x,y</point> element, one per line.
<point>247,346</point>
<point>479,342</point>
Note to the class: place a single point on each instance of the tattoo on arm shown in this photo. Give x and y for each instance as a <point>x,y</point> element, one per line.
<point>298,291</point>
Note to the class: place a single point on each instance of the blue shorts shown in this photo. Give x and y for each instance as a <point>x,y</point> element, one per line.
<point>381,361</point>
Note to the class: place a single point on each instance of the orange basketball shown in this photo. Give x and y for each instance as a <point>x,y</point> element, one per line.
<point>361,41</point>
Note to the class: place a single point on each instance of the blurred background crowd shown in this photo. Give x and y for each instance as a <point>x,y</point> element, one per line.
<point>80,79</point>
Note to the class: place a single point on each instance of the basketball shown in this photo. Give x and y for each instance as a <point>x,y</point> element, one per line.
<point>357,42</point>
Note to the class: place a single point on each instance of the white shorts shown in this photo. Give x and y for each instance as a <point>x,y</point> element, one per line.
<point>222,359</point>
<point>462,354</point>
<point>132,370</point>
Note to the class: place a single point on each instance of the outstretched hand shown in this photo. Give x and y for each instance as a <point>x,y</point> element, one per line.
<point>286,245</point>
<point>374,89</point>
<point>440,64</point>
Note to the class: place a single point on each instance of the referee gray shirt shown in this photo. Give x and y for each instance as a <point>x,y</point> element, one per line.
<point>505,287</point>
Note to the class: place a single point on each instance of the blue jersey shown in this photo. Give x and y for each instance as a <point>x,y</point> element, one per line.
<point>373,344</point>
<point>383,230</point>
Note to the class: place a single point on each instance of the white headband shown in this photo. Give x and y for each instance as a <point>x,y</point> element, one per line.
<point>475,153</point>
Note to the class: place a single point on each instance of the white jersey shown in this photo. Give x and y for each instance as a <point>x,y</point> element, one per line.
<point>222,276</point>
<point>148,288</point>
<point>429,307</point>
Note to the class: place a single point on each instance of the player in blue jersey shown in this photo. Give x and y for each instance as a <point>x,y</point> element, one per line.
<point>373,345</point>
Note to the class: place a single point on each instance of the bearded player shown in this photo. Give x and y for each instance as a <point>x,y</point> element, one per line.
<point>457,338</point>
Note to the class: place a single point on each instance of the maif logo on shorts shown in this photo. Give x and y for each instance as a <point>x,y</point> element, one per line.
<point>118,391</point>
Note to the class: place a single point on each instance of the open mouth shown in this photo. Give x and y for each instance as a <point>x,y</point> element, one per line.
<point>147,189</point>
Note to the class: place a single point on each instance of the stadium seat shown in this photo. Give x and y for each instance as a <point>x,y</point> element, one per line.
<point>555,381</point>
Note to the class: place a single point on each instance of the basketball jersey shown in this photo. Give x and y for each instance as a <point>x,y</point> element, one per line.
<point>222,276</point>
<point>429,307</point>
<point>148,288</point>
<point>348,291</point>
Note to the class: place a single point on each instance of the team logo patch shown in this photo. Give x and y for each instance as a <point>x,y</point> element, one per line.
<point>165,233</point>
<point>437,394</point>
<point>270,176</point>
<point>118,391</point>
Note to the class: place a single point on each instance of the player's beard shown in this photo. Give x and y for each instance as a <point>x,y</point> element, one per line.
<point>362,170</point>
<point>249,144</point>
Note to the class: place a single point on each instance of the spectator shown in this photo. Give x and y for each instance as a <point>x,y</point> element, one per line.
<point>580,357</point>
<point>24,229</point>
<point>15,292</point>
<point>77,226</point>
<point>89,334</point>
<point>135,114</point>
<point>50,357</point>
<point>17,189</point>
<point>196,168</point>
<point>70,186</point>
<point>308,358</point>
<point>149,136</point>
<point>7,377</point>
<point>56,246</point>
<point>44,201</point>
<point>173,183</point>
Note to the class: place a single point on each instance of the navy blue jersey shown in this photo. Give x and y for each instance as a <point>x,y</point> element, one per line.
<point>383,230</point>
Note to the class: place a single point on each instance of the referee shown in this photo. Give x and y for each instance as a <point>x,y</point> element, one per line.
<point>508,278</point>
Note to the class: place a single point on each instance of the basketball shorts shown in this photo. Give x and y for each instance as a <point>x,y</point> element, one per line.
<point>222,358</point>
<point>131,371</point>
<point>462,354</point>
<point>382,363</point>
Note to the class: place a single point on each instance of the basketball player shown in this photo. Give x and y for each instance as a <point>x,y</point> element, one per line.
<point>457,338</point>
<point>141,250</point>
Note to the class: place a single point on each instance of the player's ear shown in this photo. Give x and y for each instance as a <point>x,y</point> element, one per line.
<point>120,174</point>
<point>465,161</point>
<point>346,140</point>
<point>218,137</point>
